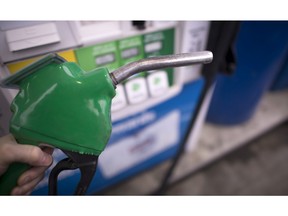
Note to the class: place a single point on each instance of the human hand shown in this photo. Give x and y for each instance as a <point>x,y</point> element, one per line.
<point>40,160</point>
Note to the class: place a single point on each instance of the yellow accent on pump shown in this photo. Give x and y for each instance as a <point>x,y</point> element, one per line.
<point>16,66</point>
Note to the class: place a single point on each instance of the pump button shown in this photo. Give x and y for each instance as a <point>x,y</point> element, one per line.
<point>119,101</point>
<point>136,90</point>
<point>158,83</point>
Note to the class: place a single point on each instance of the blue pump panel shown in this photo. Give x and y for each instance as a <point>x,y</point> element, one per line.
<point>281,81</point>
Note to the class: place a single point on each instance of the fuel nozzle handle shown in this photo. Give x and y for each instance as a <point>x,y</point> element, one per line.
<point>160,62</point>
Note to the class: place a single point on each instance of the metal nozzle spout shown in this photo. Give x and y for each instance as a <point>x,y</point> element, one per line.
<point>159,62</point>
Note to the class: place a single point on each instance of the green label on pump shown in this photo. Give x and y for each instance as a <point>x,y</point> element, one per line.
<point>117,53</point>
<point>100,55</point>
<point>130,49</point>
<point>159,43</point>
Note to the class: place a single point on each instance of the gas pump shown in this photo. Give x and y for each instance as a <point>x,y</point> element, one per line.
<point>144,105</point>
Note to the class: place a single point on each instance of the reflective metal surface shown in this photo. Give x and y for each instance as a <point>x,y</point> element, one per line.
<point>159,62</point>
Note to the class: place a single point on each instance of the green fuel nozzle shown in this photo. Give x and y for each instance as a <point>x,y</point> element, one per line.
<point>62,105</point>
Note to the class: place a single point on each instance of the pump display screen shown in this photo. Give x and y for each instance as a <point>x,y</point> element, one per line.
<point>105,59</point>
<point>128,53</point>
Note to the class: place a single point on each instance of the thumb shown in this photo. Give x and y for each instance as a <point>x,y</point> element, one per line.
<point>29,154</point>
